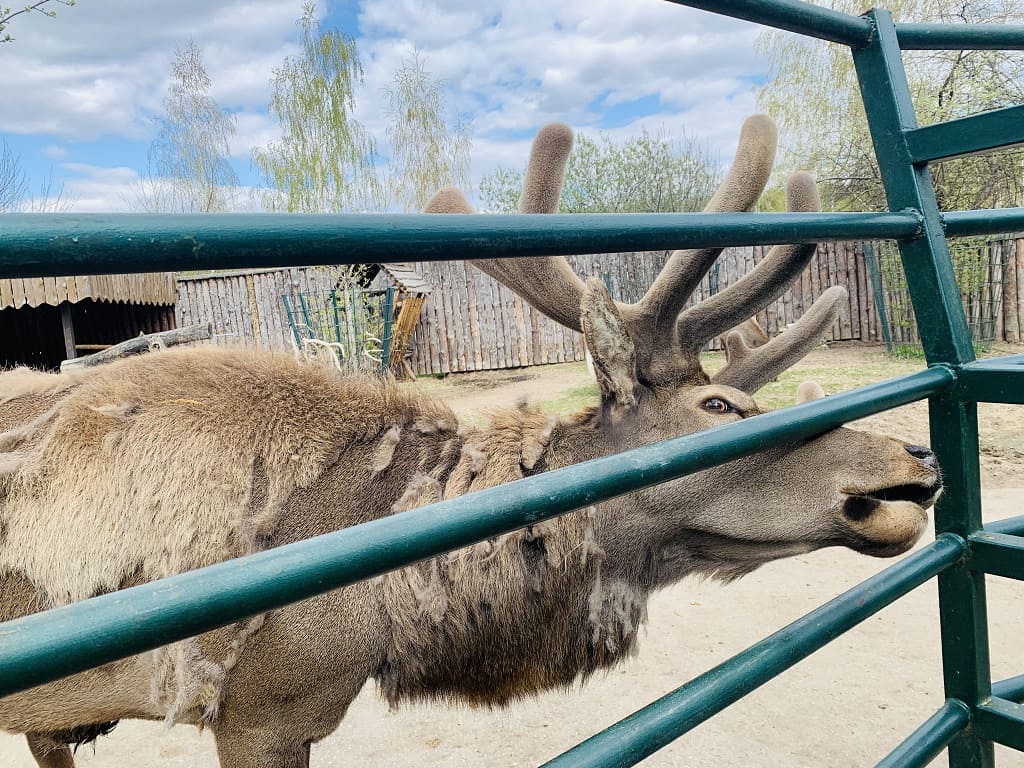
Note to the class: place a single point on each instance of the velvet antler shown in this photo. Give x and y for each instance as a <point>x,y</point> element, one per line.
<point>667,342</point>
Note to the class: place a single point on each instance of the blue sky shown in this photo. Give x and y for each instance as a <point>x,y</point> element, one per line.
<point>81,90</point>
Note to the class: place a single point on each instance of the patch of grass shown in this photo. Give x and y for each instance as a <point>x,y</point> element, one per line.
<point>907,352</point>
<point>571,401</point>
<point>837,371</point>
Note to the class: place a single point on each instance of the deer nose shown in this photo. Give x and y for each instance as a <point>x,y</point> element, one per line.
<point>924,455</point>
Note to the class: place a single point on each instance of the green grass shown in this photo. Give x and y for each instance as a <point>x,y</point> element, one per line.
<point>571,401</point>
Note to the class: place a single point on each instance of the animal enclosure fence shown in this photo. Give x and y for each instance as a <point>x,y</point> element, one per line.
<point>471,322</point>
<point>46,646</point>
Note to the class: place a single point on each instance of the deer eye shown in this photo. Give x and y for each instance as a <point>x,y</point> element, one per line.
<point>718,405</point>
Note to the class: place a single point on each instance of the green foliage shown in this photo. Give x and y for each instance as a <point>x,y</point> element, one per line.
<point>188,169</point>
<point>426,156</point>
<point>6,14</point>
<point>325,160</point>
<point>644,174</point>
<point>812,93</point>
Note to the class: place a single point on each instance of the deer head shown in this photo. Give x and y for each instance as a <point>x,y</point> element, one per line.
<point>845,487</point>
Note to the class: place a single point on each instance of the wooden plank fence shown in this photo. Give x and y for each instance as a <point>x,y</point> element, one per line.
<point>470,322</point>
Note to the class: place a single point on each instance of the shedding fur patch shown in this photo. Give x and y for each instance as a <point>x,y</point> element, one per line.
<point>420,491</point>
<point>184,680</point>
<point>385,450</point>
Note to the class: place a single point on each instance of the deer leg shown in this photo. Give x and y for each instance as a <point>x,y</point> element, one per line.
<point>49,752</point>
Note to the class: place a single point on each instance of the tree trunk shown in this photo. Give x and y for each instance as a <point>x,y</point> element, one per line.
<point>141,343</point>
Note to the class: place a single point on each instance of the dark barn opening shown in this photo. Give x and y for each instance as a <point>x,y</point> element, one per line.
<point>45,321</point>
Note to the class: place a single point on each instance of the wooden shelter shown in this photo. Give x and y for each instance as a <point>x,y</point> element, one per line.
<point>413,290</point>
<point>45,320</point>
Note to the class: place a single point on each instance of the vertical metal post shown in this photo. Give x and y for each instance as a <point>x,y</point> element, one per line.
<point>962,608</point>
<point>926,260</point>
<point>875,275</point>
<point>389,308</point>
<point>946,339</point>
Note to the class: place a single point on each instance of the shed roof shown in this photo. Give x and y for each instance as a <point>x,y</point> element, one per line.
<point>407,278</point>
<point>148,288</point>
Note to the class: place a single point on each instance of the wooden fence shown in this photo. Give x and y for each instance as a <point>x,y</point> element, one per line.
<point>245,307</point>
<point>470,322</point>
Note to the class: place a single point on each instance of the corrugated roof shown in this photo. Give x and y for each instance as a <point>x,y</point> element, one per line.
<point>407,278</point>
<point>148,288</point>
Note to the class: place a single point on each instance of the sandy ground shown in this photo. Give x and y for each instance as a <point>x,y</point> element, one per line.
<point>847,705</point>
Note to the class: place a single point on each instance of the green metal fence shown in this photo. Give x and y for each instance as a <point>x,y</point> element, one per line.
<point>43,647</point>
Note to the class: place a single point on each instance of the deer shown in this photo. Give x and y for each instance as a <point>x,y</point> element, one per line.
<point>150,466</point>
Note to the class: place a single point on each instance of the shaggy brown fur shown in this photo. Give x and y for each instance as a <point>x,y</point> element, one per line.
<point>155,465</point>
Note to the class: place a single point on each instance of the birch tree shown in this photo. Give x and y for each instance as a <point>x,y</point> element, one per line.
<point>425,154</point>
<point>325,160</point>
<point>812,93</point>
<point>188,170</point>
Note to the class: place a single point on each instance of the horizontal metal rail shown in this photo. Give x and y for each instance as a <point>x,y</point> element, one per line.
<point>46,646</point>
<point>996,380</point>
<point>792,16</point>
<point>1000,554</point>
<point>856,31</point>
<point>69,244</point>
<point>1014,526</point>
<point>645,732</point>
<point>982,132</point>
<point>991,222</point>
<point>935,733</point>
<point>954,37</point>
<point>1001,721</point>
<point>1011,689</point>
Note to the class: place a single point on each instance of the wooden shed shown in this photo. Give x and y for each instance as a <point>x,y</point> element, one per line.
<point>45,320</point>
<point>413,290</point>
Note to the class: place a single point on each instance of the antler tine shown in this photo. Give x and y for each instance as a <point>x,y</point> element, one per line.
<point>546,282</point>
<point>750,369</point>
<point>739,191</point>
<point>759,287</point>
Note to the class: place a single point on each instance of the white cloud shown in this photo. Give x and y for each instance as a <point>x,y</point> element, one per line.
<point>101,69</point>
<point>514,66</point>
<point>93,189</point>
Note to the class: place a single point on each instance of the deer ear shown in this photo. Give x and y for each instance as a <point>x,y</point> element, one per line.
<point>808,391</point>
<point>611,347</point>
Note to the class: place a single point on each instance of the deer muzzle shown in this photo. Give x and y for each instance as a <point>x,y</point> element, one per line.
<point>888,520</point>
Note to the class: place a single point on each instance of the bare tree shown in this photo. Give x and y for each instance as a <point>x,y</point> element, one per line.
<point>13,180</point>
<point>14,188</point>
<point>188,170</point>
<point>426,154</point>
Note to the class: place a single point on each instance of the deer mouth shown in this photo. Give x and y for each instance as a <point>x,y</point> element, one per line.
<point>916,493</point>
<point>888,521</point>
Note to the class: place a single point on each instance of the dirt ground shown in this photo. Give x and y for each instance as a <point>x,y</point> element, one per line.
<point>847,705</point>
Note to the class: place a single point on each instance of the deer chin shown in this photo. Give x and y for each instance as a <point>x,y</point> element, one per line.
<point>888,521</point>
<point>722,557</point>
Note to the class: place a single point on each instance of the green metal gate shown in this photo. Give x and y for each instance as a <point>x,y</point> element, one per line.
<point>43,647</point>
